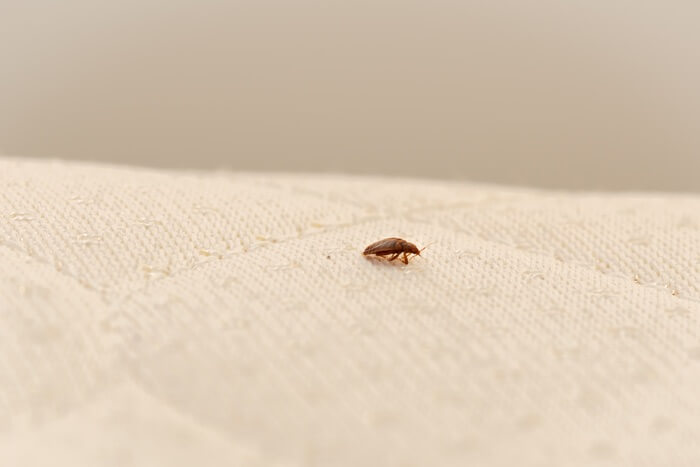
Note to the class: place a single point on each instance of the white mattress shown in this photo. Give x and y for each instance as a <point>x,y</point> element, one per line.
<point>155,318</point>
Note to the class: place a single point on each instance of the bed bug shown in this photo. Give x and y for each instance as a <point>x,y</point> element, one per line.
<point>393,247</point>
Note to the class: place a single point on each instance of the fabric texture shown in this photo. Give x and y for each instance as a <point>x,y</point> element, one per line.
<point>152,318</point>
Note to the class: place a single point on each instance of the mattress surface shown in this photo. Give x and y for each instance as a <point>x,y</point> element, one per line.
<point>155,318</point>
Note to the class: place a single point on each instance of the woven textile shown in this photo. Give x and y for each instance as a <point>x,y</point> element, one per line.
<point>218,319</point>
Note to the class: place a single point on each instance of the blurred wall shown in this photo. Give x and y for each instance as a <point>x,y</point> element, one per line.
<point>573,94</point>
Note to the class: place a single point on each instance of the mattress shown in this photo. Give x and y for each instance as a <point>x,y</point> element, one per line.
<point>152,317</point>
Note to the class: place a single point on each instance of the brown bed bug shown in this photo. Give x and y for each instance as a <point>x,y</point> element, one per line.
<point>393,247</point>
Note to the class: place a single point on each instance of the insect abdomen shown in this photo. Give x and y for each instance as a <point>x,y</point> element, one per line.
<point>384,247</point>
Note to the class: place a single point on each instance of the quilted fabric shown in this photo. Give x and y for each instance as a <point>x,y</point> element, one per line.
<point>152,318</point>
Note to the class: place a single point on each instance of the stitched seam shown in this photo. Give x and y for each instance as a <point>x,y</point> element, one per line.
<point>405,214</point>
<point>617,275</point>
<point>40,260</point>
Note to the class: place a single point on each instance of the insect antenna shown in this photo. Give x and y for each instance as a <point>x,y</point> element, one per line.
<point>426,246</point>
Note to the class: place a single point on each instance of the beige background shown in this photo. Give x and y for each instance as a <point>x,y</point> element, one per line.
<point>574,94</point>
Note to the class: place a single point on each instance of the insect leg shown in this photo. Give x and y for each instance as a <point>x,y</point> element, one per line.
<point>405,258</point>
<point>394,256</point>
